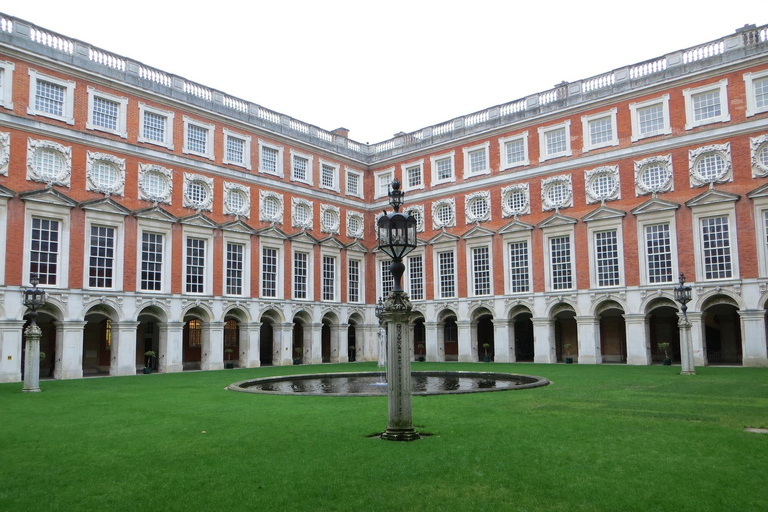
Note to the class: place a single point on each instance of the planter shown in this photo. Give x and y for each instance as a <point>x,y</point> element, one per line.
<point>421,359</point>
<point>147,371</point>
<point>297,362</point>
<point>667,362</point>
<point>229,366</point>
<point>351,359</point>
<point>486,359</point>
<point>568,360</point>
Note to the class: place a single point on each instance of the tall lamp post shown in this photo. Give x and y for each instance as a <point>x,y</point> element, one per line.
<point>683,296</point>
<point>34,299</point>
<point>397,237</point>
<point>379,312</point>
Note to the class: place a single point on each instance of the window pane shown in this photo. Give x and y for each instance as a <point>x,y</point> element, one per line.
<point>269,272</point>
<point>600,130</point>
<point>195,265</point>
<point>105,113</point>
<point>446,268</point>
<point>300,275</point>
<point>102,255</point>
<point>481,269</point>
<point>518,267</point>
<point>706,105</point>
<point>50,98</point>
<point>235,268</point>
<point>658,253</point>
<point>716,243</point>
<point>151,261</point>
<point>235,150</point>
<point>560,254</point>
<point>416,277</point>
<point>329,277</point>
<point>154,126</point>
<point>354,281</point>
<point>607,258</point>
<point>651,119</point>
<point>44,254</point>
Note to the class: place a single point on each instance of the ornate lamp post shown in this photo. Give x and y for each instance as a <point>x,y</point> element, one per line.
<point>397,237</point>
<point>683,296</point>
<point>34,299</point>
<point>379,312</point>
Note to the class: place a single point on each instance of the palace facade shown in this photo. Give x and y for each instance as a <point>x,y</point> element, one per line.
<point>164,215</point>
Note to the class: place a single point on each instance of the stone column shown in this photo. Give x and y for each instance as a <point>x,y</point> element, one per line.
<point>697,339</point>
<point>503,341</point>
<point>170,347</point>
<point>317,343</point>
<point>753,342</point>
<point>589,339</point>
<point>638,340</point>
<point>10,350</point>
<point>430,342</point>
<point>249,345</point>
<point>686,347</point>
<point>306,340</point>
<point>213,346</point>
<point>544,340</point>
<point>441,341</point>
<point>466,354</point>
<point>123,360</point>
<point>69,350</point>
<point>382,345</point>
<point>284,356</point>
<point>32,359</point>
<point>342,341</point>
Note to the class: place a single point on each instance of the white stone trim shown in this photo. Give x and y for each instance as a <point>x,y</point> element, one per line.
<point>207,235</point>
<point>440,203</point>
<point>485,146</point>
<point>590,179</point>
<point>749,78</point>
<point>506,192</point>
<point>5,152</point>
<point>68,115</point>
<point>688,94</point>
<point>505,164</point>
<point>516,237</point>
<point>360,232</point>
<point>469,199</point>
<point>118,187</point>
<point>244,240</point>
<point>229,134</point>
<point>206,183</point>
<point>167,114</point>
<point>598,226</point>
<point>634,107</point>
<point>360,185</point>
<point>642,188</point>
<point>237,188</point>
<point>264,196</point>
<point>548,184</point>
<point>210,130</point>
<point>335,167</point>
<point>309,250</point>
<point>544,130</point>
<point>651,219</point>
<point>379,190</point>
<point>279,164</point>
<point>556,232</point>
<point>698,213</point>
<point>53,212</point>
<point>298,203</point>
<point>278,245</point>
<point>121,114</point>
<point>6,87</point>
<point>756,145</point>
<point>433,165</point>
<point>147,195</point>
<point>409,210</point>
<point>361,271</point>
<point>336,255</point>
<point>696,155</point>
<point>475,244</point>
<point>334,227</point>
<point>586,135</point>
<point>65,152</point>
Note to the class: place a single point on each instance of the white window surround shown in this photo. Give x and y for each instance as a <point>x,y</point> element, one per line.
<point>246,163</point>
<point>433,164</point>
<point>330,219</point>
<point>3,235</point>
<point>361,279</point>
<point>265,216</point>
<point>68,115</point>
<point>439,205</point>
<point>336,255</point>
<point>758,147</point>
<point>521,194</point>
<point>688,94</point>
<point>168,130</point>
<point>330,165</point>
<point>92,172</point>
<point>485,146</point>
<point>404,168</point>
<point>310,162</point>
<point>749,83</point>
<point>544,131</point>
<point>475,244</point>
<point>298,205</point>
<point>407,273</point>
<point>165,229</point>
<point>353,217</point>
<point>198,180</point>
<point>594,227</point>
<point>587,135</point>
<point>510,238</point>
<point>480,197</point>
<point>760,208</point>
<point>556,232</point>
<point>378,176</point>
<point>279,163</point>
<point>360,189</point>
<point>505,164</point>
<point>52,212</point>
<point>209,131</point>
<point>633,110</point>
<point>651,219</point>
<point>237,200</point>
<point>117,222</point>
<point>309,250</point>
<point>280,277</point>
<point>6,87</point>
<point>715,210</point>
<point>40,174</point>
<point>121,113</point>
<point>207,235</point>
<point>436,250</point>
<point>243,239</point>
<point>5,152</point>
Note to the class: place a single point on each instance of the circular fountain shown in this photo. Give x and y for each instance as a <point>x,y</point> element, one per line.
<point>374,384</point>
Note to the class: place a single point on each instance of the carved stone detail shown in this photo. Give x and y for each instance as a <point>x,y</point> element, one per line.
<point>702,158</point>
<point>195,203</point>
<point>355,225</point>
<point>417,211</point>
<point>644,184</point>
<point>515,200</point>
<point>759,150</point>
<point>237,200</point>
<point>602,184</point>
<point>448,207</point>
<point>5,152</point>
<point>302,213</point>
<point>275,216</point>
<point>149,176</point>
<point>95,180</point>
<point>470,200</point>
<point>63,176</point>
<point>556,192</point>
<point>330,219</point>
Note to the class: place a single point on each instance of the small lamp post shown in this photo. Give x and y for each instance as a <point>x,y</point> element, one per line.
<point>379,312</point>
<point>683,296</point>
<point>397,237</point>
<point>34,299</point>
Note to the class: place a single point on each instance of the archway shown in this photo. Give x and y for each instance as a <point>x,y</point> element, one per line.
<point>484,335</point>
<point>450,336</point>
<point>267,337</point>
<point>231,342</point>
<point>352,342</point>
<point>419,348</point>
<point>97,340</point>
<point>330,338</point>
<point>722,331</point>
<point>194,338</point>
<point>613,333</point>
<point>662,321</point>
<point>566,334</point>
<point>355,342</point>
<point>148,335</point>
<point>523,333</point>
<point>46,318</point>
<point>301,338</point>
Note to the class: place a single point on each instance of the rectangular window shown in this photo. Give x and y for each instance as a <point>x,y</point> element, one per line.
<point>300,167</point>
<point>706,105</point>
<point>235,150</point>
<point>269,272</point>
<point>761,92</point>
<point>50,97</point>
<point>383,182</point>
<point>387,281</point>
<point>444,169</point>
<point>651,119</point>
<point>154,126</point>
<point>481,270</point>
<point>515,151</point>
<point>555,141</point>
<point>716,243</point>
<point>197,139</point>
<point>300,263</point>
<point>477,161</point>
<point>328,176</point>
<point>354,281</point>
<point>413,176</point>
<point>600,131</point>
<point>658,247</point>
<point>44,254</point>
<point>102,257</point>
<point>106,113</point>
<point>519,278</point>
<point>329,277</point>
<point>269,159</point>
<point>607,258</point>
<point>235,254</point>
<point>151,261</point>
<point>416,277</point>
<point>447,274</point>
<point>560,262</point>
<point>353,184</point>
<point>195,265</point>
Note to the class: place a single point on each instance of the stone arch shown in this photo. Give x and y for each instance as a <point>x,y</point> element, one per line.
<point>563,315</point>
<point>605,303</point>
<point>478,310</point>
<point>521,317</point>
<point>270,320</point>
<point>418,347</point>
<point>97,337</point>
<point>240,313</point>
<point>613,330</point>
<point>48,317</point>
<point>156,310</point>
<point>271,315</point>
<point>561,305</point>
<point>660,301</point>
<point>235,337</point>
<point>199,310</point>
<point>661,317</point>
<point>717,296</point>
<point>482,333</point>
<point>517,309</point>
<point>151,316</point>
<point>330,337</point>
<point>53,307</point>
<point>721,328</point>
<point>301,337</point>
<point>447,335</point>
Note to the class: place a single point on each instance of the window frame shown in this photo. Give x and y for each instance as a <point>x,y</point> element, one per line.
<point>117,223</point>
<point>600,226</point>
<point>635,118</point>
<point>433,160</point>
<point>6,87</point>
<point>229,134</point>
<point>378,192</point>
<point>210,130</point>
<point>381,259</point>
<point>49,212</point>
<point>160,228</point>
<point>168,130</point>
<point>404,168</point>
<point>419,253</point>
<point>310,162</point>
<point>702,212</point>
<point>230,237</point>
<point>360,280</point>
<point>503,141</point>
<point>749,84</point>
<point>280,274</point>
<point>586,122</point>
<point>298,247</point>
<point>468,151</point>
<point>336,279</point>
<point>652,219</point>
<point>544,131</point>
<point>688,94</point>
<point>201,234</point>
<point>470,261</point>
<point>279,163</point>
<point>353,172</point>
<point>68,108</point>
<point>122,103</point>
<point>335,169</point>
<point>516,238</point>
<point>559,232</point>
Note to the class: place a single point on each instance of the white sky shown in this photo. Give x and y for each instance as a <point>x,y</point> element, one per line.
<point>380,68</point>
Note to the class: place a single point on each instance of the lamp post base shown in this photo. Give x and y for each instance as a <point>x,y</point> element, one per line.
<point>30,390</point>
<point>688,372</point>
<point>400,434</point>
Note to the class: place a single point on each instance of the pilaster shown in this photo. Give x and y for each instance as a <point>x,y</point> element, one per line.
<point>171,341</point>
<point>69,350</point>
<point>466,354</point>
<point>430,342</point>
<point>123,360</point>
<point>10,350</point>
<point>638,340</point>
<point>753,340</point>
<point>544,340</point>
<point>503,341</point>
<point>212,357</point>
<point>589,340</point>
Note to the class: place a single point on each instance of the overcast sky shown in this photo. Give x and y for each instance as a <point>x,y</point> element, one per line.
<point>378,68</point>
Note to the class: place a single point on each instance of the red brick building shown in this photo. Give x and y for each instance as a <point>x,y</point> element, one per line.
<point>167,216</point>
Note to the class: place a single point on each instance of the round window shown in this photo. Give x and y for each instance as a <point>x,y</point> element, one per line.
<point>557,194</point>
<point>104,175</point>
<point>197,193</point>
<point>271,208</point>
<point>762,155</point>
<point>603,185</point>
<point>330,220</point>
<point>416,214</point>
<point>478,208</point>
<point>155,184</point>
<point>444,214</point>
<point>49,163</point>
<point>654,176</point>
<point>302,214</point>
<point>355,226</point>
<point>711,166</point>
<point>236,200</point>
<point>516,201</point>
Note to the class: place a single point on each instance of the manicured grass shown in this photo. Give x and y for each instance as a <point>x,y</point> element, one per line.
<point>607,438</point>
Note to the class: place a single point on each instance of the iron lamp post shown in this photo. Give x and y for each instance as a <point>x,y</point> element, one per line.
<point>397,238</point>
<point>34,299</point>
<point>683,296</point>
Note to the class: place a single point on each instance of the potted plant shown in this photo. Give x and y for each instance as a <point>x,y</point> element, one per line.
<point>297,355</point>
<point>351,353</point>
<point>229,364</point>
<point>664,346</point>
<point>487,358</point>
<point>420,346</point>
<point>148,356</point>
<point>567,351</point>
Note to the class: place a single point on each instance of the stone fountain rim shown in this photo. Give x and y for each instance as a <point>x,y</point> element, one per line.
<point>538,382</point>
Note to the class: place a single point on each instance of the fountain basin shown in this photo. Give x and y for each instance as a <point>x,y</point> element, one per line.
<point>372,383</point>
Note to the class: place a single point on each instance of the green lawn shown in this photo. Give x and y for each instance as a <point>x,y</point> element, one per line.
<point>606,437</point>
